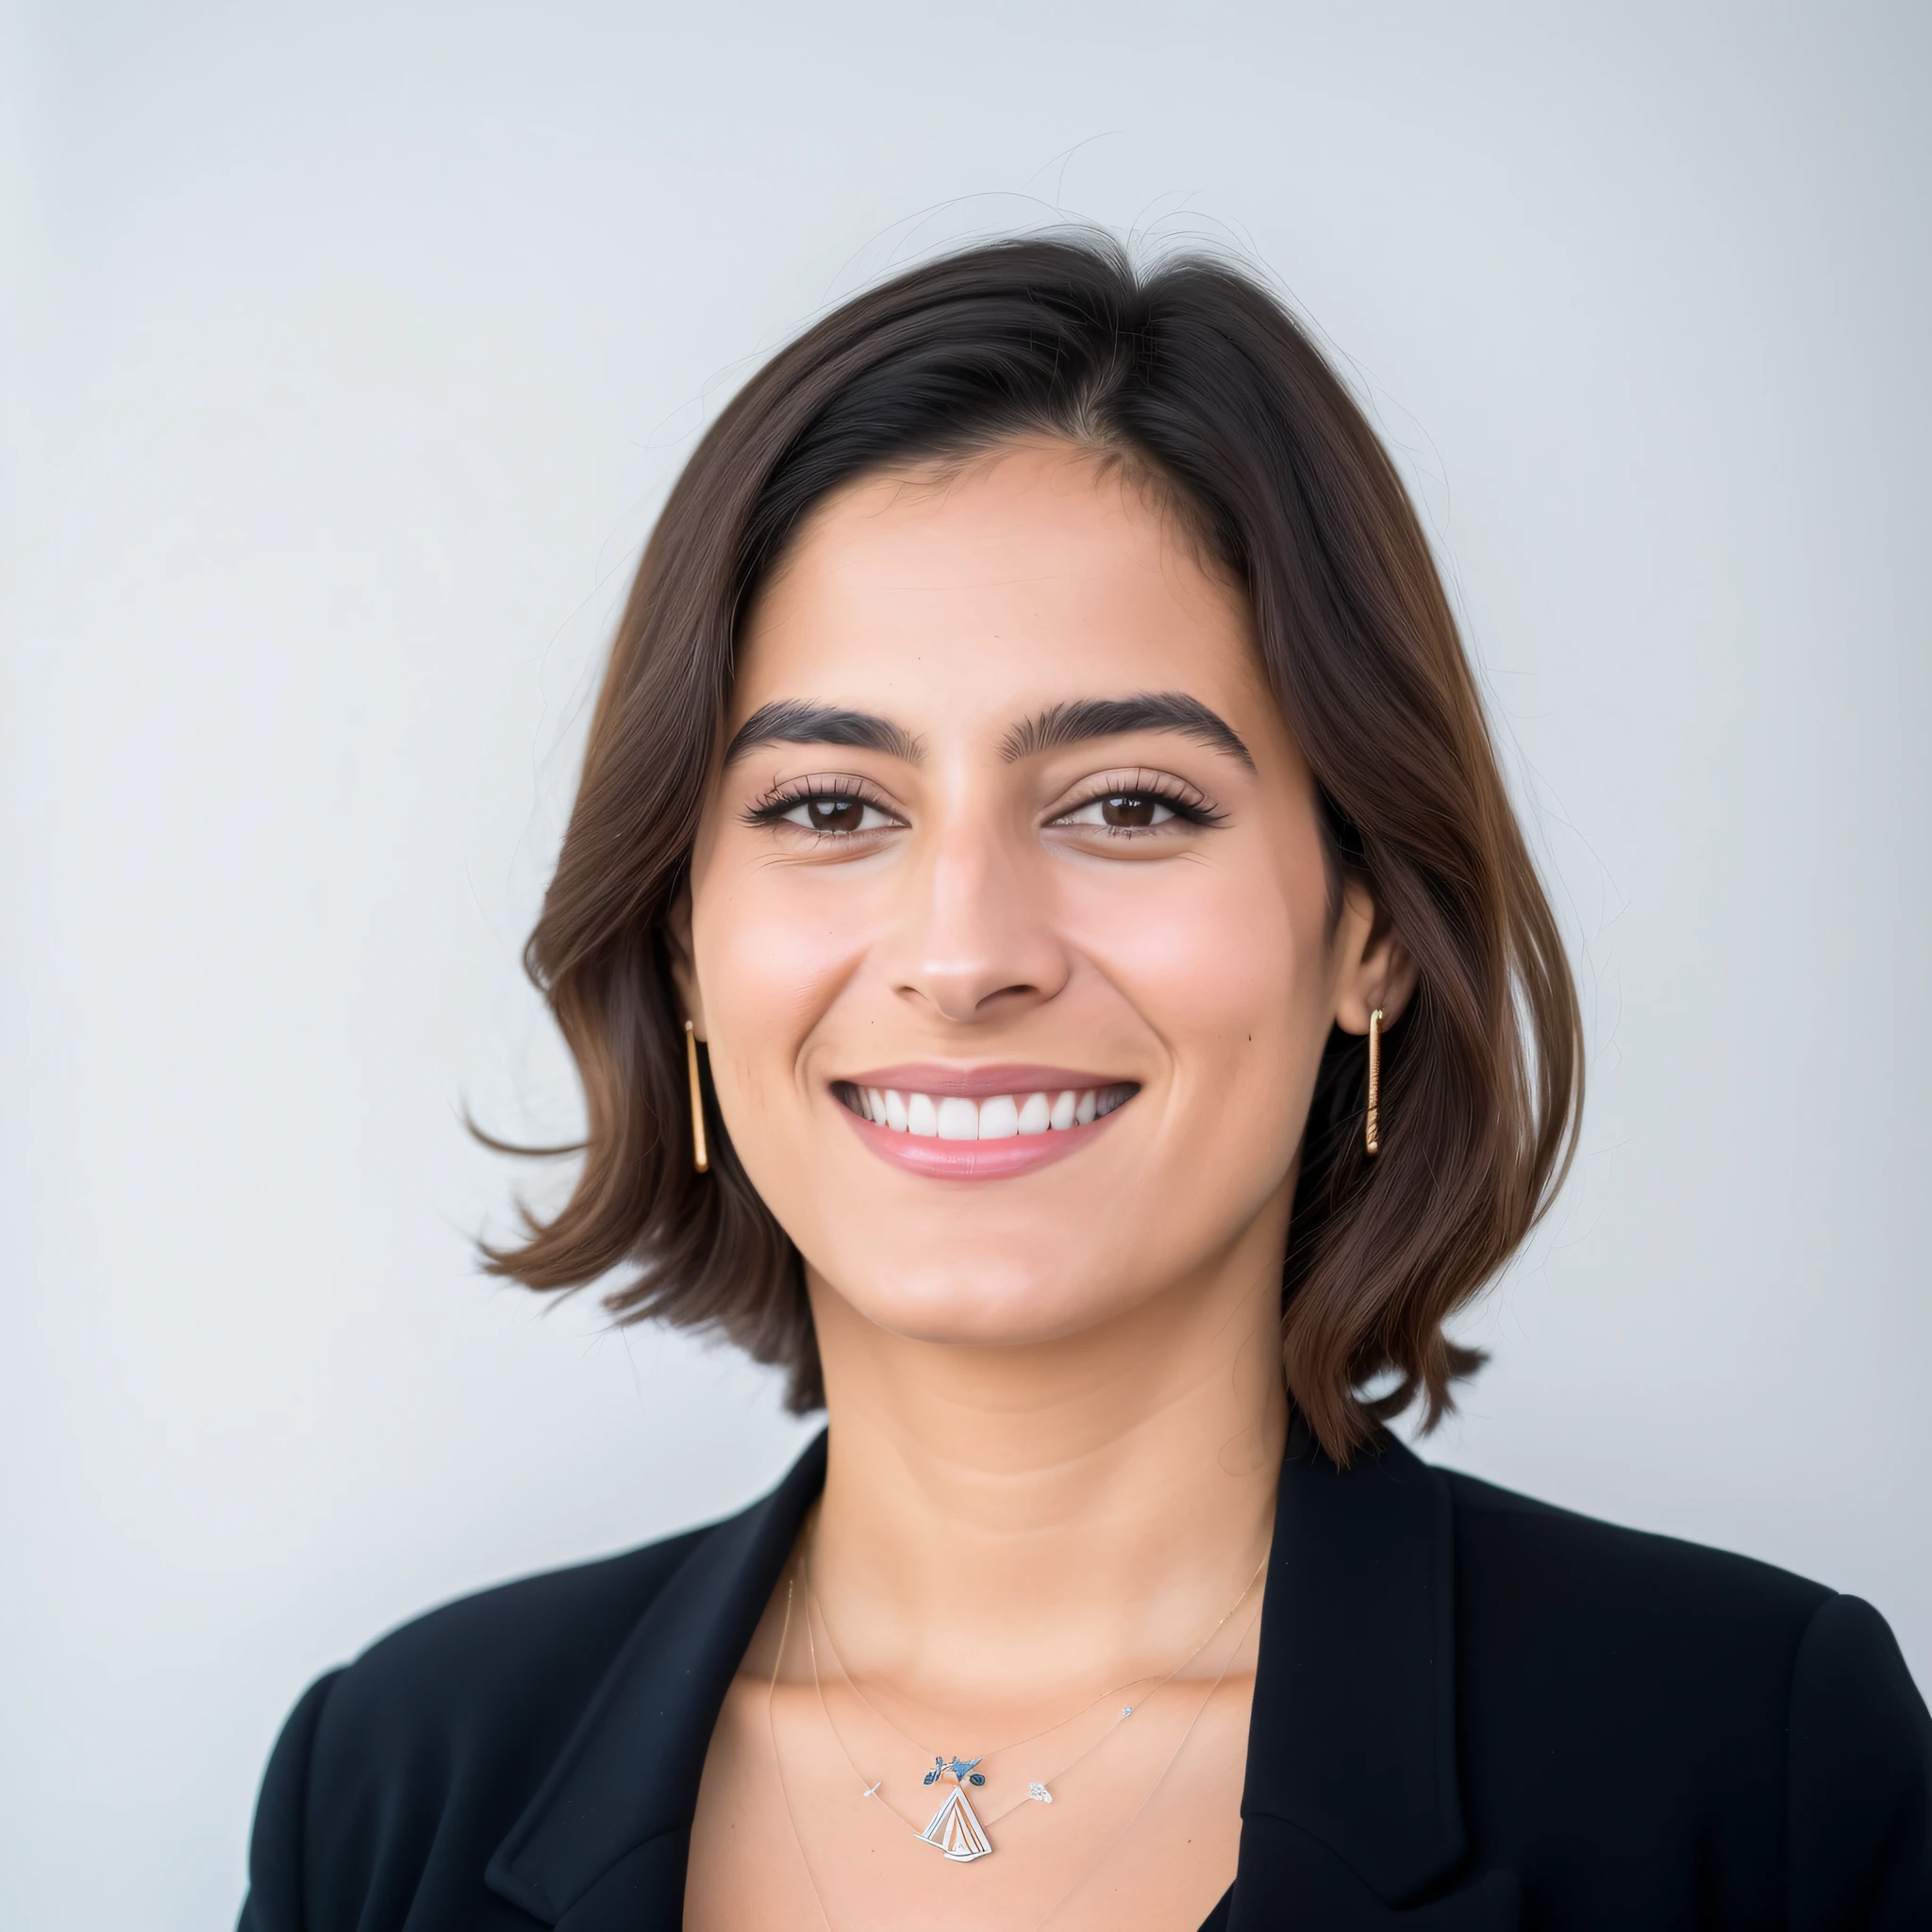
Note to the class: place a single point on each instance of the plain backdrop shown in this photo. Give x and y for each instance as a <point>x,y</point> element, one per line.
<point>347,352</point>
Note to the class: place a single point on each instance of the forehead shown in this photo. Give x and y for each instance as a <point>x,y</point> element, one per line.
<point>1034,575</point>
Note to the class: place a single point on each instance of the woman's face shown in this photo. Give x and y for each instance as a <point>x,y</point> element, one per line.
<point>1009,930</point>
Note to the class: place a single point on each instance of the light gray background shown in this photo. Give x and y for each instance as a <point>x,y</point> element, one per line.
<point>348,351</point>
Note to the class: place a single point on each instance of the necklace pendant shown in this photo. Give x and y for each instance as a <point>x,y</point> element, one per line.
<point>953,1828</point>
<point>956,1831</point>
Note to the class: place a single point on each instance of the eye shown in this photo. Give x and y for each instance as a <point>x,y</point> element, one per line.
<point>1130,805</point>
<point>1122,811</point>
<point>833,814</point>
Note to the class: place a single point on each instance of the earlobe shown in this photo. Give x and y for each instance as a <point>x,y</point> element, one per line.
<point>1376,973</point>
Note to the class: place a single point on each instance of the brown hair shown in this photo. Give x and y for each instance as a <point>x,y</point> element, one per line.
<point>1195,373</point>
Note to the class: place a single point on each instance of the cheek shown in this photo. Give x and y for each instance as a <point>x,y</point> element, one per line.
<point>1228,964</point>
<point>773,951</point>
<point>1228,961</point>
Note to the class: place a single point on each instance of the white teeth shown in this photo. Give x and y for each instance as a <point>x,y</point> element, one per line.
<point>953,1117</point>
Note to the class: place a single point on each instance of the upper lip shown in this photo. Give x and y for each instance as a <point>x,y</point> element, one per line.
<point>980,1083</point>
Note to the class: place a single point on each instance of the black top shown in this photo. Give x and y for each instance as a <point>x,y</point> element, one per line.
<point>1471,1713</point>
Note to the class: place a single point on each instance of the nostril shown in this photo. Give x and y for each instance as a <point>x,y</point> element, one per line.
<point>954,995</point>
<point>1011,993</point>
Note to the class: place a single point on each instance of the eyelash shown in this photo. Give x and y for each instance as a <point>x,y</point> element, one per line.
<point>771,810</point>
<point>1181,799</point>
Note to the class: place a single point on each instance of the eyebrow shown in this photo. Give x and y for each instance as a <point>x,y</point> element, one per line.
<point>794,721</point>
<point>1152,711</point>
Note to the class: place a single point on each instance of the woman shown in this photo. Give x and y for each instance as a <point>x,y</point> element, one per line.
<point>1050,962</point>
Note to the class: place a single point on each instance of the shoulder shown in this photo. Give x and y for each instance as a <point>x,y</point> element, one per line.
<point>1861,1780</point>
<point>1695,1684</point>
<point>1546,1596</point>
<point>502,1655</point>
<point>1513,1545</point>
<point>424,1751</point>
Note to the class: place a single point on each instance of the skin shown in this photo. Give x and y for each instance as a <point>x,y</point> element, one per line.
<point>1056,1411</point>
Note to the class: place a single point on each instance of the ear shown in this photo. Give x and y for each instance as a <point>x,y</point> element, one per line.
<point>1372,968</point>
<point>684,972</point>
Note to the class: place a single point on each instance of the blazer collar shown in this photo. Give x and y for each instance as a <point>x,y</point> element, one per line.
<point>1353,1741</point>
<point>630,1772</point>
<point>1353,1737</point>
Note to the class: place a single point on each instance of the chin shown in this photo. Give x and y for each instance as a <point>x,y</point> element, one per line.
<point>984,1301</point>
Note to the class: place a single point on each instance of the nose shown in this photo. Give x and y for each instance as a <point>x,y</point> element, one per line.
<point>977,938</point>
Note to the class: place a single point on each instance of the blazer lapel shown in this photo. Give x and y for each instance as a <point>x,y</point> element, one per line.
<point>604,1841</point>
<point>1350,1814</point>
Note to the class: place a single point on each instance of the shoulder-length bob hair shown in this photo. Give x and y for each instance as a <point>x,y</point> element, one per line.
<point>1196,376</point>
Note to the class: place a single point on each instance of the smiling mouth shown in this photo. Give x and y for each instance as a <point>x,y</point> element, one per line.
<point>997,1117</point>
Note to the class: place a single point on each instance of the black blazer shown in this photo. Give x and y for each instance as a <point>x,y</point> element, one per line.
<point>1471,1713</point>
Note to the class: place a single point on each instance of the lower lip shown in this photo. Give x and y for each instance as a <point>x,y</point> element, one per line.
<point>974,1161</point>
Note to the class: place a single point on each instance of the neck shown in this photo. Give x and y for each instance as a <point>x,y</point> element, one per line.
<point>1074,1512</point>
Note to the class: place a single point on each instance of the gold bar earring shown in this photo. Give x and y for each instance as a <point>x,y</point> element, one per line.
<point>699,1157</point>
<point>1372,1138</point>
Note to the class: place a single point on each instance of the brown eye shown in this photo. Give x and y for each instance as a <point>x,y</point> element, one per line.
<point>835,815</point>
<point>1125,812</point>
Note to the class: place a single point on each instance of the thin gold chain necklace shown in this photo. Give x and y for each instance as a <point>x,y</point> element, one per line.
<point>1106,1850</point>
